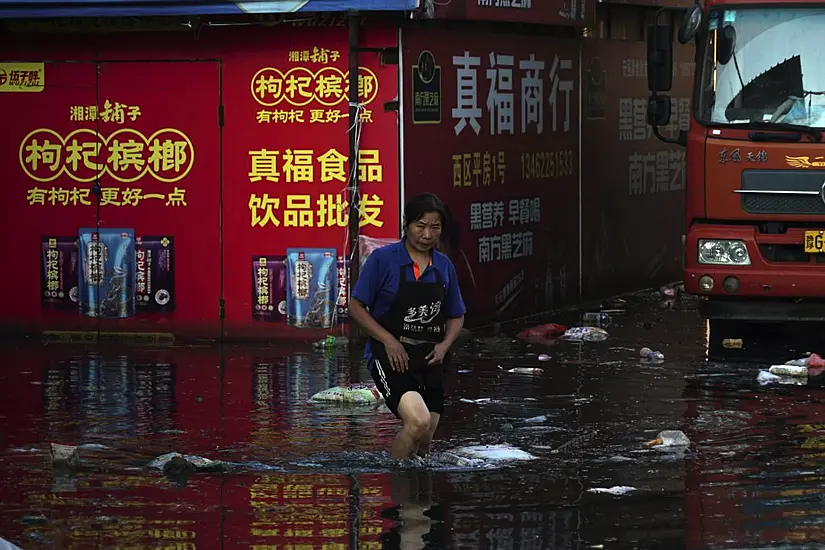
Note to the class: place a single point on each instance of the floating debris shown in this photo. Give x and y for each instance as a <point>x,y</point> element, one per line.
<point>493,453</point>
<point>355,394</point>
<point>617,490</point>
<point>522,370</point>
<point>177,464</point>
<point>586,334</point>
<point>64,455</point>
<point>670,438</point>
<point>789,370</point>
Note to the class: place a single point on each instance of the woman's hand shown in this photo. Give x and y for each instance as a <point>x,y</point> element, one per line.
<point>399,360</point>
<point>436,356</point>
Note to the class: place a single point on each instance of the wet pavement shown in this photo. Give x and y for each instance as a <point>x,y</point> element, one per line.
<point>310,476</point>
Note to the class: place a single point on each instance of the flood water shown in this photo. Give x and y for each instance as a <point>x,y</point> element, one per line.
<point>308,476</point>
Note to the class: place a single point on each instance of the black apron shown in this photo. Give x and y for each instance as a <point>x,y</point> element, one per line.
<point>417,320</point>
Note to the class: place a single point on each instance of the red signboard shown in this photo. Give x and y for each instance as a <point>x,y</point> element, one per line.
<point>545,12</point>
<point>223,211</point>
<point>503,110</point>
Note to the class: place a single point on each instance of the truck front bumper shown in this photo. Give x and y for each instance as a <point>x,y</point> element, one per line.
<point>761,291</point>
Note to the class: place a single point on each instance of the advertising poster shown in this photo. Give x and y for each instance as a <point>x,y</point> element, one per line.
<point>291,168</point>
<point>506,165</point>
<point>100,147</point>
<point>257,162</point>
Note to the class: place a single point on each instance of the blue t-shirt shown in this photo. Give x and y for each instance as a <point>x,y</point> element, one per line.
<point>378,281</point>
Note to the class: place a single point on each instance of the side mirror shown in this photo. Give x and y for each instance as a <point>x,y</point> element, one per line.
<point>658,110</point>
<point>690,24</point>
<point>727,44</point>
<point>659,58</point>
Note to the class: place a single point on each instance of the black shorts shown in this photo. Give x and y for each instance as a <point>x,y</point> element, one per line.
<point>428,380</point>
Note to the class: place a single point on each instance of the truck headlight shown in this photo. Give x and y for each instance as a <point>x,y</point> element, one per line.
<point>723,252</point>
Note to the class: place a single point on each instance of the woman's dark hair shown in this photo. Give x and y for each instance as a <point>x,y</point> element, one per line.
<point>422,204</point>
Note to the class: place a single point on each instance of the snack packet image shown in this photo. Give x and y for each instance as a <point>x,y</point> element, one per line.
<point>312,287</point>
<point>58,275</point>
<point>269,288</point>
<point>106,280</point>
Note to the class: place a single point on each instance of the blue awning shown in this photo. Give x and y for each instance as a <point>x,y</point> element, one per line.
<point>134,8</point>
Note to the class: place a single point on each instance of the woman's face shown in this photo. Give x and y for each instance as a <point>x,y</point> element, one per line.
<point>423,233</point>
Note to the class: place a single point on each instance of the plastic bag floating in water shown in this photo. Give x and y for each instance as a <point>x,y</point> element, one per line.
<point>615,490</point>
<point>357,394</point>
<point>493,453</point>
<point>586,334</point>
<point>177,463</point>
<point>65,455</point>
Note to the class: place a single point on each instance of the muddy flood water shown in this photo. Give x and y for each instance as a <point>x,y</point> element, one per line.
<point>303,476</point>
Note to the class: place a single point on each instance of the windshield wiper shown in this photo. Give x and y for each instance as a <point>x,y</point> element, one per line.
<point>814,133</point>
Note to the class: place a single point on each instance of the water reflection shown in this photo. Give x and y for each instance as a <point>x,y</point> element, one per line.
<point>419,519</point>
<point>317,477</point>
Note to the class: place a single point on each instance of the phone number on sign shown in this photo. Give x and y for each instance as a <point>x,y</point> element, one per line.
<point>546,165</point>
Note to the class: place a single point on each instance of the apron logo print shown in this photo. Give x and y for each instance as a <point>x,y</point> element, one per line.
<point>423,314</point>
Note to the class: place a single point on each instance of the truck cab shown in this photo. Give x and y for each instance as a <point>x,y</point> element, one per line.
<point>754,245</point>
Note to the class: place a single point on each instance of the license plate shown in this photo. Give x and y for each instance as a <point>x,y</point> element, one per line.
<point>814,242</point>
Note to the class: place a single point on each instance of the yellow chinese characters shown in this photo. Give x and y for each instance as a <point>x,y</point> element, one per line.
<point>330,116</point>
<point>317,55</point>
<point>327,210</point>
<point>109,196</point>
<point>299,165</point>
<point>547,164</point>
<point>300,86</point>
<point>126,155</point>
<point>291,115</point>
<point>111,112</point>
<point>475,169</point>
<point>52,269</point>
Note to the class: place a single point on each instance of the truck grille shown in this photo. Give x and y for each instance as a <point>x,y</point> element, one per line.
<point>775,192</point>
<point>789,253</point>
<point>782,204</point>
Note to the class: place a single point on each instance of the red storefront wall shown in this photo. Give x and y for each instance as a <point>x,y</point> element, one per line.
<point>215,153</point>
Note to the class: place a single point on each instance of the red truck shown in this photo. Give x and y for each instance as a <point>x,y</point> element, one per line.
<point>755,199</point>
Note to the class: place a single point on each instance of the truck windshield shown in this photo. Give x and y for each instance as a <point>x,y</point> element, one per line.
<point>768,67</point>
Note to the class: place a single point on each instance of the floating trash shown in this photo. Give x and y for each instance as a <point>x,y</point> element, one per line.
<point>522,370</point>
<point>355,394</point>
<point>64,455</point>
<point>670,438</point>
<point>493,453</point>
<point>586,334</point>
<point>176,463</point>
<point>616,490</point>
